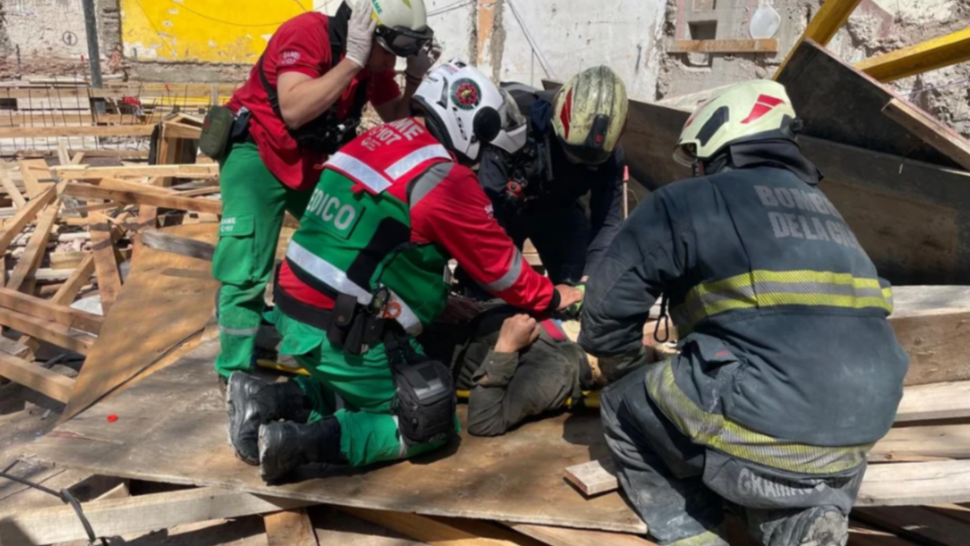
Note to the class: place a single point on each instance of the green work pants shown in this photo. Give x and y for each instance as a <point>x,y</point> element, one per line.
<point>356,389</point>
<point>253,205</point>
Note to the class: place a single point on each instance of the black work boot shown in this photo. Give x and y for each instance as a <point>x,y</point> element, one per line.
<point>285,446</point>
<point>818,526</point>
<point>251,402</point>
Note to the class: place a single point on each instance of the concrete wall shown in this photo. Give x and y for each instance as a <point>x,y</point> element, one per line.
<point>46,28</point>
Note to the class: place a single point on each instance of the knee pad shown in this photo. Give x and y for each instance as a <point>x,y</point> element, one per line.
<point>425,402</point>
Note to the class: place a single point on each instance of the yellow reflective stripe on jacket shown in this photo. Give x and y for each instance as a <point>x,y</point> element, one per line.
<point>716,431</point>
<point>762,288</point>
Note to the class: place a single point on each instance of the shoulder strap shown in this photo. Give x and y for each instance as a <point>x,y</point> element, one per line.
<point>336,33</point>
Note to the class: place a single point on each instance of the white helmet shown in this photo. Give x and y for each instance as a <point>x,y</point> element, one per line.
<point>402,25</point>
<point>464,110</point>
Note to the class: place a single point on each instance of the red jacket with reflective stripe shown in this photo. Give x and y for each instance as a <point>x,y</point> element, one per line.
<point>455,214</point>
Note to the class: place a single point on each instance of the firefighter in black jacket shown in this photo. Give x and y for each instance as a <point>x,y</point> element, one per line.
<point>788,371</point>
<point>565,148</point>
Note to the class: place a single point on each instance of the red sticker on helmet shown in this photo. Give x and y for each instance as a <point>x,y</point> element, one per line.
<point>566,114</point>
<point>762,106</point>
<point>466,94</point>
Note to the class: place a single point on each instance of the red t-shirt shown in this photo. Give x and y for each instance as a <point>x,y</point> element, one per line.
<point>302,45</point>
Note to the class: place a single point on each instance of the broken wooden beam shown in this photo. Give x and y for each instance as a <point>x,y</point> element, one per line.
<point>13,226</point>
<point>78,131</point>
<point>769,45</point>
<point>35,377</point>
<point>105,260</point>
<point>85,172</point>
<point>51,332</point>
<point>144,198</point>
<point>141,513</point>
<point>290,528</point>
<point>46,310</point>
<point>177,245</point>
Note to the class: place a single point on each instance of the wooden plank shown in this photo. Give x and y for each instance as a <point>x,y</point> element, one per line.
<point>561,536</point>
<point>823,26</point>
<point>594,477</point>
<point>934,402</point>
<point>181,130</point>
<point>175,291</point>
<point>290,528</point>
<point>134,514</point>
<point>182,401</point>
<point>105,261</point>
<point>178,245</point>
<point>947,441</point>
<point>32,185</point>
<point>841,104</point>
<point>769,45</point>
<point>918,58</point>
<point>920,123</point>
<point>936,343</point>
<point>442,531</point>
<point>49,311</point>
<point>30,260</point>
<point>63,157</point>
<point>144,198</point>
<point>35,377</point>
<point>82,274</point>
<point>918,523</point>
<point>15,196</point>
<point>13,227</point>
<point>85,172</point>
<point>65,132</point>
<point>51,332</point>
<point>863,535</point>
<point>907,484</point>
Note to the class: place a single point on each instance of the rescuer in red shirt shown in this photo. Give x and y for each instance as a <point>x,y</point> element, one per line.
<point>302,102</point>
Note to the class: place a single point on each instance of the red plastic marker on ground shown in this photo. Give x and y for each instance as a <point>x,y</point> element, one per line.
<point>112,418</point>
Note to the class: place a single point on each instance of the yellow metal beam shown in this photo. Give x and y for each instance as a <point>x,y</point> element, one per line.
<point>829,19</point>
<point>916,59</point>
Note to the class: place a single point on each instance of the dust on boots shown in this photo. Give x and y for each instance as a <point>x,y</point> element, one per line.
<point>285,446</point>
<point>252,402</point>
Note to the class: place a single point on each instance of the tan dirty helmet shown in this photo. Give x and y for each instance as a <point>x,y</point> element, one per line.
<point>590,114</point>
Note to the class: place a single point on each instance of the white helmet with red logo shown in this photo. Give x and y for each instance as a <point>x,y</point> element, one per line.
<point>464,110</point>
<point>590,114</point>
<point>746,111</point>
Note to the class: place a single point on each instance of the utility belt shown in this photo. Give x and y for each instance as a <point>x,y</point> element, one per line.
<point>425,400</point>
<point>350,326</point>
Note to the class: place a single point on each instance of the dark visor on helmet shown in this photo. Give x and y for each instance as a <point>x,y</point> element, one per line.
<point>402,41</point>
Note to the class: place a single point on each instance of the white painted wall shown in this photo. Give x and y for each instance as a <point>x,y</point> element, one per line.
<point>577,34</point>
<point>46,28</point>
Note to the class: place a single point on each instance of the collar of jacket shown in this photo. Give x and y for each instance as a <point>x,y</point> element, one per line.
<point>778,153</point>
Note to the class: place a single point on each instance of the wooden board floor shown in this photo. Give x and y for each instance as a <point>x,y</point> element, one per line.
<point>171,428</point>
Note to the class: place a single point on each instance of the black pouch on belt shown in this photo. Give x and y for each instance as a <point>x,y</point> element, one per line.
<point>344,310</point>
<point>425,400</point>
<point>216,130</point>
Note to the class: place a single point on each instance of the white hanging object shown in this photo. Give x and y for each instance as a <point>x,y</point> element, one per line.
<point>765,21</point>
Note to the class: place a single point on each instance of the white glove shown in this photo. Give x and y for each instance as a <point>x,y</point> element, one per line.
<point>421,62</point>
<point>360,33</point>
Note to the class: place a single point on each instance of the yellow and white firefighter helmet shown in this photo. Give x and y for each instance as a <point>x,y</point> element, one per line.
<point>590,114</point>
<point>740,112</point>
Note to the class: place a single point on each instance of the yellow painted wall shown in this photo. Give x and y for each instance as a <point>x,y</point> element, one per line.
<point>220,31</point>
